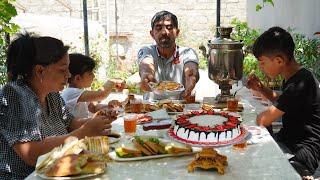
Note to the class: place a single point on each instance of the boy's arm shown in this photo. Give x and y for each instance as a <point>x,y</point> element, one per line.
<point>270,115</point>
<point>255,84</point>
<point>98,95</point>
<point>268,93</point>
<point>103,92</point>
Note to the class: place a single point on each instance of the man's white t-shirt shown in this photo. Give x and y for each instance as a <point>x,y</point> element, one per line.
<point>78,109</point>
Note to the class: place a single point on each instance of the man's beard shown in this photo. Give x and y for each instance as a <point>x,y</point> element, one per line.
<point>165,43</point>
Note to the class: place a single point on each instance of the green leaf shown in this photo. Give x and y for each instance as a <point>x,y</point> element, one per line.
<point>271,2</point>
<point>258,7</point>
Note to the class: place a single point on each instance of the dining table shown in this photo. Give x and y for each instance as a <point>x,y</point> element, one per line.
<point>260,159</point>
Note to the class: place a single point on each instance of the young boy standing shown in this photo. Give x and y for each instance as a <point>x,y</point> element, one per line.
<point>78,100</point>
<point>299,103</point>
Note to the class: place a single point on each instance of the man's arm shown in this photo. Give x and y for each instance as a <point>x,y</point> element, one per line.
<point>191,74</point>
<point>270,115</point>
<point>147,73</point>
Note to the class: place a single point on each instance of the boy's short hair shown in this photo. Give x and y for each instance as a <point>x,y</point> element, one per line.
<point>79,64</point>
<point>274,41</point>
<point>164,15</point>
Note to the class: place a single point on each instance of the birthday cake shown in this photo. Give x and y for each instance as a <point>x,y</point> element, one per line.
<point>207,127</point>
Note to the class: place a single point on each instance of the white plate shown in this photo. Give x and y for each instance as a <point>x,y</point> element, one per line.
<point>114,156</point>
<point>83,176</point>
<point>174,113</point>
<point>113,140</point>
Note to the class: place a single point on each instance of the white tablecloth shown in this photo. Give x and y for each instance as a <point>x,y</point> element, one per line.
<point>261,160</point>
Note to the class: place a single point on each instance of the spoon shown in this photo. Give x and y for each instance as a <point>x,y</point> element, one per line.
<point>244,83</point>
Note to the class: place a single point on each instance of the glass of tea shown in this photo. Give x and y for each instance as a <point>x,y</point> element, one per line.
<point>136,106</point>
<point>232,104</point>
<point>191,99</point>
<point>130,125</point>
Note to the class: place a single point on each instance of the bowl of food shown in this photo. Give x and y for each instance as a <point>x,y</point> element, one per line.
<point>167,89</point>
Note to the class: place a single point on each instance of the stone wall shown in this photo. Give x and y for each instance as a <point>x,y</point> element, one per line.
<point>197,19</point>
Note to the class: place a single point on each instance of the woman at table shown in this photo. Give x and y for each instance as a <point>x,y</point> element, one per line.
<point>33,118</point>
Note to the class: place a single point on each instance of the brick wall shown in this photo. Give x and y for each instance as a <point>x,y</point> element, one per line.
<point>197,18</point>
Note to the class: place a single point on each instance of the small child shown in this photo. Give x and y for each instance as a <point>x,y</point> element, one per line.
<point>299,103</point>
<point>78,100</point>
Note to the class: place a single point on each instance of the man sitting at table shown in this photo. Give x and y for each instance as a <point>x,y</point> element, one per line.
<point>167,61</point>
<point>299,103</point>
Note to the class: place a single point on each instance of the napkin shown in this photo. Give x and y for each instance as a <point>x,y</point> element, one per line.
<point>159,114</point>
<point>258,134</point>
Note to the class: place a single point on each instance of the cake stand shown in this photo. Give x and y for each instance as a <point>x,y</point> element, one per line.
<point>209,158</point>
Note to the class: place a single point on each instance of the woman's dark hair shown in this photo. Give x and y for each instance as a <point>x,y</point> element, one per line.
<point>79,64</point>
<point>274,41</point>
<point>164,15</point>
<point>27,51</point>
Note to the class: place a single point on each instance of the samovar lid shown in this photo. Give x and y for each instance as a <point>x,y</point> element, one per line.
<point>225,41</point>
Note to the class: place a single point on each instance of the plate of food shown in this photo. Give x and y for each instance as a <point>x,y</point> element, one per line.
<point>82,176</point>
<point>149,147</point>
<point>75,159</point>
<point>114,137</point>
<point>166,89</point>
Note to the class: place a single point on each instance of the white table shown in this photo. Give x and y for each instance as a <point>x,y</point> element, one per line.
<point>263,160</point>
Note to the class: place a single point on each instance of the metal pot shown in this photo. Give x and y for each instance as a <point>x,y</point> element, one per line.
<point>225,61</point>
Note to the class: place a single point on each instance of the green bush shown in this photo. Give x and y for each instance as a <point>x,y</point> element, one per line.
<point>307,52</point>
<point>7,11</point>
<point>243,33</point>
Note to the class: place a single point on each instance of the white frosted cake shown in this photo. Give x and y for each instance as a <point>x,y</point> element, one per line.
<point>207,127</point>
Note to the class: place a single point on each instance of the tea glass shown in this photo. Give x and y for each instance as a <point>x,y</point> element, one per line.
<point>130,125</point>
<point>136,106</point>
<point>232,104</point>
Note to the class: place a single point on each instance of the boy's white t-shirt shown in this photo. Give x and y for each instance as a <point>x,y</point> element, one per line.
<point>78,109</point>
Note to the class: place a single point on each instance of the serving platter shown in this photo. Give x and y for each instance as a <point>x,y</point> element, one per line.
<point>114,156</point>
<point>244,134</point>
<point>82,176</point>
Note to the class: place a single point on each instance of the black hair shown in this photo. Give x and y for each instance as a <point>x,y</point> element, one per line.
<point>164,15</point>
<point>26,51</point>
<point>79,64</point>
<point>274,41</point>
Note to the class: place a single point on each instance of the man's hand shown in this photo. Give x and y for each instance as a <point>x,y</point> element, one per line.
<point>146,71</point>
<point>145,79</point>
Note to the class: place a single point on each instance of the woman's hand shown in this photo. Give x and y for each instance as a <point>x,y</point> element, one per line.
<point>97,126</point>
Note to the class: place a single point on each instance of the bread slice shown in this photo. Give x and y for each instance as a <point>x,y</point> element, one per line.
<point>66,166</point>
<point>141,148</point>
<point>128,152</point>
<point>71,146</point>
<point>173,149</point>
<point>95,167</point>
<point>98,144</point>
<point>157,148</point>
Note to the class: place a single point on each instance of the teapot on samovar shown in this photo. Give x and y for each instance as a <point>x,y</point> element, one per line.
<point>225,62</point>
